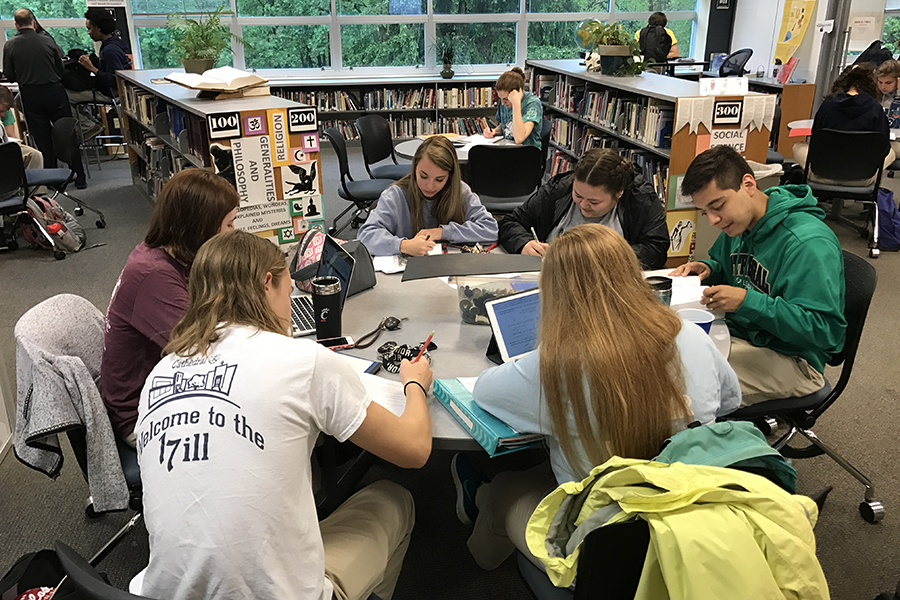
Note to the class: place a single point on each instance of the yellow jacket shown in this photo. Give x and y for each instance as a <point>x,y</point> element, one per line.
<point>714,532</point>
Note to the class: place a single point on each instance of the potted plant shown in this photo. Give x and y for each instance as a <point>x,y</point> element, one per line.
<point>198,42</point>
<point>612,50</point>
<point>445,53</point>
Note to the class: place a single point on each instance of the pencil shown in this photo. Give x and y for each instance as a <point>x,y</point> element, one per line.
<point>422,349</point>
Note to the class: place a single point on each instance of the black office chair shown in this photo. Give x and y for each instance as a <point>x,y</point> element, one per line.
<point>504,176</point>
<point>734,63</point>
<point>609,566</point>
<point>85,579</point>
<point>12,204</point>
<point>377,145</point>
<point>362,194</point>
<point>81,338</point>
<point>852,157</point>
<point>800,414</point>
<point>66,147</point>
<point>546,128</point>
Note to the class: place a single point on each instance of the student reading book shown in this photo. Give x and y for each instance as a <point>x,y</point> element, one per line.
<point>606,344</point>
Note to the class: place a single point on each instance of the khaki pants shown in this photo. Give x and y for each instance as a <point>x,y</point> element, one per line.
<point>504,507</point>
<point>366,539</point>
<point>765,375</point>
<point>32,157</point>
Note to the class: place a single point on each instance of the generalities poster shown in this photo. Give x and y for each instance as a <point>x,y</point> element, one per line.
<point>796,19</point>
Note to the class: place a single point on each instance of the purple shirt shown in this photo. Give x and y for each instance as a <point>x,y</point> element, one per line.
<point>149,299</point>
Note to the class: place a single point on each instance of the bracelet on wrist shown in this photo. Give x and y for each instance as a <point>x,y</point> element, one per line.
<point>421,387</point>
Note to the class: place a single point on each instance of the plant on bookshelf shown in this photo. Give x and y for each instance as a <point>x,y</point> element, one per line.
<point>613,51</point>
<point>446,52</point>
<point>199,42</point>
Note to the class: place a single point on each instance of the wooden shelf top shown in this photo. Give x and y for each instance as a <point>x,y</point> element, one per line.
<point>187,99</point>
<point>653,85</point>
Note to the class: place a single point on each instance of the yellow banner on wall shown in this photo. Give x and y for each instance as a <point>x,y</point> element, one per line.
<point>798,14</point>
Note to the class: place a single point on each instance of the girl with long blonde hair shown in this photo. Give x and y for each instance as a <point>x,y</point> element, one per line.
<point>227,422</point>
<point>431,203</point>
<point>616,373</point>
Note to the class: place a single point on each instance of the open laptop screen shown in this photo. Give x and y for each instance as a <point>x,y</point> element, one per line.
<point>336,262</point>
<point>514,320</point>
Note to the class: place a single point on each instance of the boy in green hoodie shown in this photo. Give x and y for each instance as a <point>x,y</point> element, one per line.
<point>777,272</point>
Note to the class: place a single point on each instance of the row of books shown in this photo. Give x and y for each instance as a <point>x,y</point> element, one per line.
<point>421,98</point>
<point>561,163</point>
<point>141,104</point>
<point>190,132</point>
<point>408,127</point>
<point>643,119</point>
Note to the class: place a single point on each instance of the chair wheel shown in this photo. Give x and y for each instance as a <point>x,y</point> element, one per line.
<point>766,425</point>
<point>871,510</point>
<point>12,245</point>
<point>874,252</point>
<point>101,224</point>
<point>332,230</point>
<point>79,211</point>
<point>59,254</point>
<point>89,511</point>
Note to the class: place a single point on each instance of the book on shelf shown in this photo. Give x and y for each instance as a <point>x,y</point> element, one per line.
<point>495,436</point>
<point>784,75</point>
<point>561,163</point>
<point>223,79</point>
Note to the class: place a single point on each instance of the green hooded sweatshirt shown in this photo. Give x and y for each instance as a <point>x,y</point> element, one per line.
<point>791,265</point>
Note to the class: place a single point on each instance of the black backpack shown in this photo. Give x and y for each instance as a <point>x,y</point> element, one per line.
<point>75,77</point>
<point>875,54</point>
<point>655,43</point>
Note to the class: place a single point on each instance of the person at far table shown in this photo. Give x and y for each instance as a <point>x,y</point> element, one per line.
<point>151,294</point>
<point>887,75</point>
<point>32,158</point>
<point>519,113</point>
<point>616,373</point>
<point>605,188</point>
<point>776,270</point>
<point>656,41</point>
<point>852,105</point>
<point>429,204</point>
<point>228,421</point>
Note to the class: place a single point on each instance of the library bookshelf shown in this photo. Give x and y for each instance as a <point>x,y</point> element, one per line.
<point>636,117</point>
<point>414,105</point>
<point>267,146</point>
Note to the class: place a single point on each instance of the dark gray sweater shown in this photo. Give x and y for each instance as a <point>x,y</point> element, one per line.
<point>30,58</point>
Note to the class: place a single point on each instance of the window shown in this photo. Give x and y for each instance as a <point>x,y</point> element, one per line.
<point>165,7</point>
<point>282,8</point>
<point>156,44</point>
<point>71,37</point>
<point>286,46</point>
<point>381,7</point>
<point>892,32</point>
<point>383,45</point>
<point>480,43</point>
<point>51,9</point>
<point>472,7</point>
<point>654,5</point>
<point>567,6</point>
<point>553,39</point>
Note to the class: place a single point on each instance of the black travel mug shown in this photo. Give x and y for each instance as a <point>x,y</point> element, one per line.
<point>326,297</point>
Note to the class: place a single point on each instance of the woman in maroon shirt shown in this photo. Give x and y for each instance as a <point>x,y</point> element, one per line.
<point>151,294</point>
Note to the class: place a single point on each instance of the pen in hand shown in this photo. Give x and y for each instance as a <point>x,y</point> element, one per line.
<point>424,346</point>
<point>534,233</point>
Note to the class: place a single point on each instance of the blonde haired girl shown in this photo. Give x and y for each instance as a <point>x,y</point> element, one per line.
<point>431,203</point>
<point>519,113</point>
<point>616,373</point>
<point>227,422</point>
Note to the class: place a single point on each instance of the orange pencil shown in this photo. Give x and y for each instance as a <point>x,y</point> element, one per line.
<point>422,349</point>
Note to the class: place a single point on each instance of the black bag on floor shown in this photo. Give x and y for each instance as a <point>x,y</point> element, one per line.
<point>34,571</point>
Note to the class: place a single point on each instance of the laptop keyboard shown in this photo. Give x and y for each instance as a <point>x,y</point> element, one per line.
<point>302,316</point>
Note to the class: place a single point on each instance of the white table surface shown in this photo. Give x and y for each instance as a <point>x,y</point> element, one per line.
<point>431,304</point>
<point>407,149</point>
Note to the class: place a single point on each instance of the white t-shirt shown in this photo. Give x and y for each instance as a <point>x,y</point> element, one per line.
<point>224,443</point>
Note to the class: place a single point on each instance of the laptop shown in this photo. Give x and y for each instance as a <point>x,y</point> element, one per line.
<point>334,262</point>
<point>514,321</point>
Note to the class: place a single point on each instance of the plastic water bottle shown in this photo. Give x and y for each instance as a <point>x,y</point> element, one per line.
<point>64,239</point>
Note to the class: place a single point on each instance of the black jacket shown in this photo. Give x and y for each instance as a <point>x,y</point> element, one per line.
<point>32,59</point>
<point>113,57</point>
<point>844,112</point>
<point>641,214</point>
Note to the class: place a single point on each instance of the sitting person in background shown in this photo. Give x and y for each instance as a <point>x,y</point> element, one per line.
<point>777,272</point>
<point>237,517</point>
<point>151,293</point>
<point>887,75</point>
<point>636,375</point>
<point>430,204</point>
<point>101,26</point>
<point>852,105</point>
<point>604,188</point>
<point>32,157</point>
<point>520,113</point>
<point>656,41</point>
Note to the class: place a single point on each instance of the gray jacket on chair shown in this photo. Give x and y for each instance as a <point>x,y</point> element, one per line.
<point>59,343</point>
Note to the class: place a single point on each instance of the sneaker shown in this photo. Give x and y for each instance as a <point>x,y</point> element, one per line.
<point>93,131</point>
<point>467,480</point>
<point>80,184</point>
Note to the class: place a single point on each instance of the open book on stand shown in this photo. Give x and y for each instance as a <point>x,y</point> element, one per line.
<point>495,436</point>
<point>223,79</point>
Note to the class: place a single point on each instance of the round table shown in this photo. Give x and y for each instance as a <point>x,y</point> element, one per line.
<point>800,128</point>
<point>430,304</point>
<point>407,149</point>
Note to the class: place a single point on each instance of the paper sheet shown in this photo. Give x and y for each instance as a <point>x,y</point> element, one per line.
<point>360,365</point>
<point>386,392</point>
<point>468,383</point>
<point>389,264</point>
